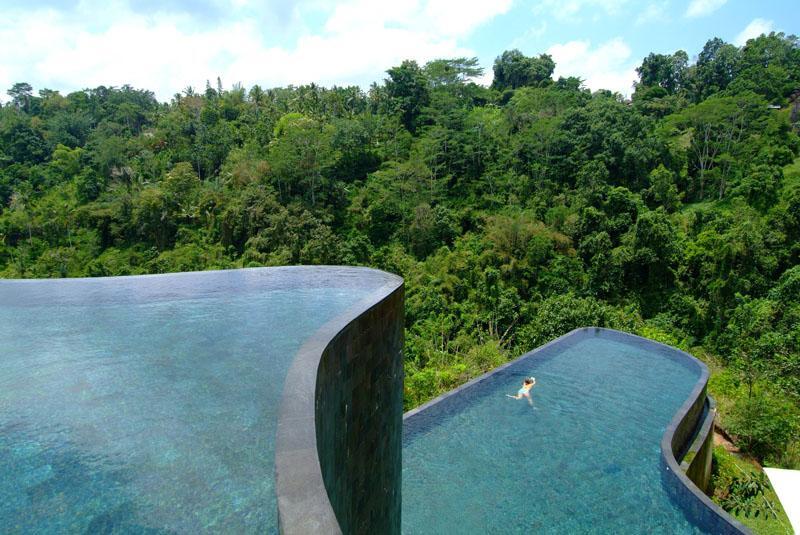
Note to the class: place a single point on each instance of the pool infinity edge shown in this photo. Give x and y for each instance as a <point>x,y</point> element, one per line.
<point>339,435</point>
<point>683,433</point>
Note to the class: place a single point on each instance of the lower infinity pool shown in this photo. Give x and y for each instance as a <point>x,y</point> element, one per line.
<point>583,458</point>
<point>149,404</point>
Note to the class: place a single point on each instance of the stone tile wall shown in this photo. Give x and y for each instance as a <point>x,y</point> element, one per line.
<point>696,462</point>
<point>338,441</point>
<point>690,433</point>
<point>359,409</point>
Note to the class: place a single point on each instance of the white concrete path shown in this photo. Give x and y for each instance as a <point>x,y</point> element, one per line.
<point>787,486</point>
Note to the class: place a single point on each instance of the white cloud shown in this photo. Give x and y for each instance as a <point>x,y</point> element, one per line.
<point>533,34</point>
<point>607,66</point>
<point>486,78</point>
<point>444,18</point>
<point>754,29</point>
<point>358,42</point>
<point>701,8</point>
<point>460,17</point>
<point>653,12</point>
<point>574,9</point>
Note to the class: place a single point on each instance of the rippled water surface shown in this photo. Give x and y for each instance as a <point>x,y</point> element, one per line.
<point>584,458</point>
<point>147,407</point>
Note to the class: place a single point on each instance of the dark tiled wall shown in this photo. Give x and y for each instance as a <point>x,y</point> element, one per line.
<point>359,410</point>
<point>697,461</point>
<point>699,470</point>
<point>698,507</point>
<point>686,430</point>
<point>693,434</point>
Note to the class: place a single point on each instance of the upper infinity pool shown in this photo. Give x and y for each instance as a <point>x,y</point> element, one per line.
<point>149,404</point>
<point>584,458</point>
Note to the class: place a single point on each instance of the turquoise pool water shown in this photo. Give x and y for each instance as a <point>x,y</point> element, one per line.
<point>148,404</point>
<point>584,458</point>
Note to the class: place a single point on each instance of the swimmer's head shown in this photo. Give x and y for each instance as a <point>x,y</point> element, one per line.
<point>529,380</point>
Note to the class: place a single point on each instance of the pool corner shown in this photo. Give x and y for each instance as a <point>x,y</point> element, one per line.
<point>338,447</point>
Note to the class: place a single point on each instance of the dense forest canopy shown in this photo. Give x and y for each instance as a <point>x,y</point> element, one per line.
<point>515,212</point>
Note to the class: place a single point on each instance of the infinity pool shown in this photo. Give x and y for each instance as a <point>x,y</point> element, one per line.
<point>584,458</point>
<point>149,404</point>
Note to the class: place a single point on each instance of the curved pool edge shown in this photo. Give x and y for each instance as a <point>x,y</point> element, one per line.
<point>679,436</point>
<point>683,434</point>
<point>348,361</point>
<point>697,461</point>
<point>296,483</point>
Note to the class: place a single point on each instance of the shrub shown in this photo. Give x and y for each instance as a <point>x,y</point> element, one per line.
<point>763,425</point>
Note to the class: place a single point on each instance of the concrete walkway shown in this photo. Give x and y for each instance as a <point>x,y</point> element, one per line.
<point>787,486</point>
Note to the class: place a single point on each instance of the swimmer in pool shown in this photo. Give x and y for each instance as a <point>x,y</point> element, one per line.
<point>525,390</point>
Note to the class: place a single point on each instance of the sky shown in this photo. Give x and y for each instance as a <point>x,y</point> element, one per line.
<point>168,45</point>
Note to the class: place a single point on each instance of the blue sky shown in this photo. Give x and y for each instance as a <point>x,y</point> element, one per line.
<point>168,45</point>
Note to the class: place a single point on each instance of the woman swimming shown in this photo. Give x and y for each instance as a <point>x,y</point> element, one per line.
<point>525,390</point>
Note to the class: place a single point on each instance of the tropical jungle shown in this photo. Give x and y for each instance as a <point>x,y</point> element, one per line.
<point>515,212</point>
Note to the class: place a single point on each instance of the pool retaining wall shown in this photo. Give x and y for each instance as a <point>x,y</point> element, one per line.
<point>696,462</point>
<point>691,430</point>
<point>339,438</point>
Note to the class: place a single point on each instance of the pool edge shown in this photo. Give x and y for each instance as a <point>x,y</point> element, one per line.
<point>694,502</point>
<point>303,492</point>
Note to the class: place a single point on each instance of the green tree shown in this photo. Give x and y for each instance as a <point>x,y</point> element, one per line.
<point>769,66</point>
<point>760,186</point>
<point>666,71</point>
<point>512,69</point>
<point>299,157</point>
<point>67,162</point>
<point>663,189</point>
<point>720,129</point>
<point>408,91</point>
<point>717,65</point>
<point>446,72</point>
<point>21,95</point>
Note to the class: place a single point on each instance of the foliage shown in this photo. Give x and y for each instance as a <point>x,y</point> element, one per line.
<point>764,425</point>
<point>515,213</point>
<point>513,70</point>
<point>665,71</point>
<point>746,495</point>
<point>744,491</point>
